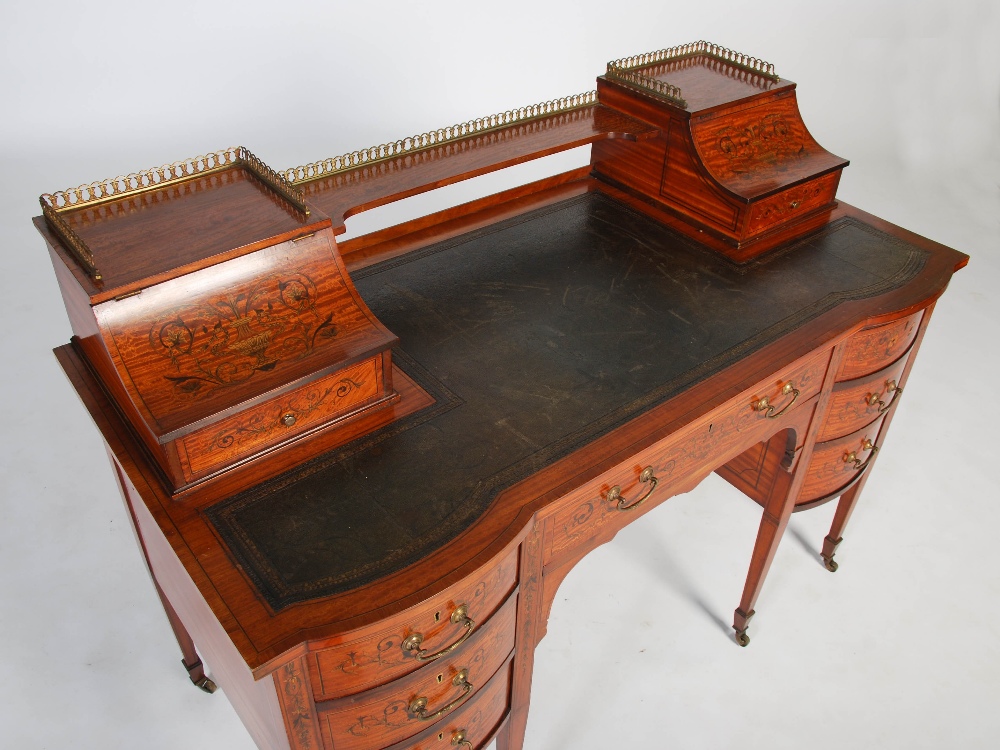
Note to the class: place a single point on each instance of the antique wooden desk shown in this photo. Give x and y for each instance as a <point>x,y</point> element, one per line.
<point>359,472</point>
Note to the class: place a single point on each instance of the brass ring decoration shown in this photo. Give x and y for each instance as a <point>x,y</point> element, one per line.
<point>418,706</point>
<point>875,399</point>
<point>459,739</point>
<point>767,407</point>
<point>615,493</point>
<point>852,457</point>
<point>411,644</point>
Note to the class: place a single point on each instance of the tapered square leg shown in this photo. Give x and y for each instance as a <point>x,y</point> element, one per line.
<point>190,658</point>
<point>778,506</point>
<point>845,507</point>
<point>772,527</point>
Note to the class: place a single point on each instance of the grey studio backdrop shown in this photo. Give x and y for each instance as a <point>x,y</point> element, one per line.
<point>897,649</point>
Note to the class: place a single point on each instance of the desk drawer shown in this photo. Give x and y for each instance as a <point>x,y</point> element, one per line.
<point>474,723</point>
<point>281,418</point>
<point>791,204</point>
<point>836,463</point>
<point>393,712</point>
<point>856,403</point>
<point>871,349</point>
<point>599,509</point>
<point>374,657</point>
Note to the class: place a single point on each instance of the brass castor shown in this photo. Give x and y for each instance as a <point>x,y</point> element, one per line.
<point>830,564</point>
<point>743,639</point>
<point>196,672</point>
<point>205,684</point>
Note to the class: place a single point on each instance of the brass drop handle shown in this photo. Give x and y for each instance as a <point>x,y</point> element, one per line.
<point>874,399</point>
<point>458,739</point>
<point>764,404</point>
<point>852,457</point>
<point>412,643</point>
<point>615,493</point>
<point>418,706</point>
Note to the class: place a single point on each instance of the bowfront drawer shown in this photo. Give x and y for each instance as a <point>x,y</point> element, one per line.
<point>836,463</point>
<point>394,712</point>
<point>606,504</point>
<point>471,725</point>
<point>856,403</point>
<point>417,636</point>
<point>871,349</point>
<point>282,418</point>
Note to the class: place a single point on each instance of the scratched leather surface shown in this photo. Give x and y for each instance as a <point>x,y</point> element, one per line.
<point>536,336</point>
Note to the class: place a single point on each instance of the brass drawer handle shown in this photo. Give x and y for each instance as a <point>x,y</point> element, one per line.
<point>852,457</point>
<point>874,399</point>
<point>458,739</point>
<point>418,706</point>
<point>766,406</point>
<point>615,493</point>
<point>459,616</point>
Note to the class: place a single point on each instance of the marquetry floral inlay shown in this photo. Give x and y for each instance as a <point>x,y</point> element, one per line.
<point>767,140</point>
<point>297,706</point>
<point>262,425</point>
<point>226,341</point>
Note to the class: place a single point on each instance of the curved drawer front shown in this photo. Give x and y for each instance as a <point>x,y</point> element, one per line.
<point>836,463</point>
<point>872,349</point>
<point>379,655</point>
<point>700,448</point>
<point>471,725</point>
<point>410,705</point>
<point>856,403</point>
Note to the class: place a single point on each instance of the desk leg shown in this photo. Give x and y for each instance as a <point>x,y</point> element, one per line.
<point>845,506</point>
<point>778,506</point>
<point>529,612</point>
<point>190,659</point>
<point>777,511</point>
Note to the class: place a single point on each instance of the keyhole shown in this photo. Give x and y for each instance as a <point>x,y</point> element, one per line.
<point>437,617</point>
<point>441,736</point>
<point>440,678</point>
<point>710,427</point>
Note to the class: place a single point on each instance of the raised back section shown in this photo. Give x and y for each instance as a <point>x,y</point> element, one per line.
<point>345,185</point>
<point>211,298</point>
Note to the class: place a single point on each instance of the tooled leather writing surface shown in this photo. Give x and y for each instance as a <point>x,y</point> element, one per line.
<point>536,336</point>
